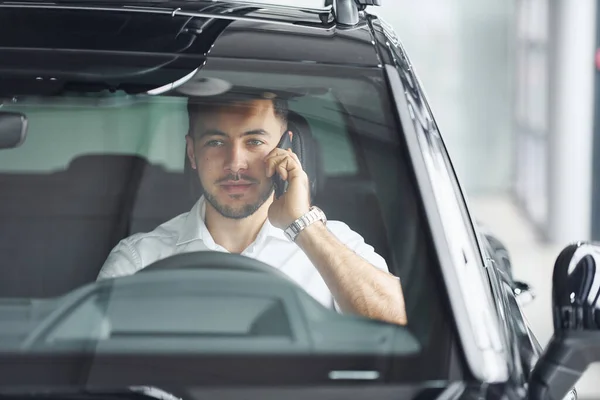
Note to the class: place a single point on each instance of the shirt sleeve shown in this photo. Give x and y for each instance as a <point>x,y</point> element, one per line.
<point>122,260</point>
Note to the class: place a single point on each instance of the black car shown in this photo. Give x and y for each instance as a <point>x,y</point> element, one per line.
<point>93,98</point>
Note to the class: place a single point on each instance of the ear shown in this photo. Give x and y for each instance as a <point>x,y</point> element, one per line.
<point>189,144</point>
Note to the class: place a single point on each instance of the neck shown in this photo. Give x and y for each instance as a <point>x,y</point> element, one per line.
<point>235,235</point>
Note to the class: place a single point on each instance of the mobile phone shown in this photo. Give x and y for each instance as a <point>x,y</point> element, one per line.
<point>279,184</point>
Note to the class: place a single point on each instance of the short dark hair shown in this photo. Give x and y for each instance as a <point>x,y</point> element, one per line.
<point>196,106</point>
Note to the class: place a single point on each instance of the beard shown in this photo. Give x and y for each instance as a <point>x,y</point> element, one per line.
<point>242,211</point>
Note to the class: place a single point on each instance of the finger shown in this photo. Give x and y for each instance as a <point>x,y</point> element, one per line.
<point>277,152</point>
<point>272,163</point>
<point>283,155</point>
<point>288,159</point>
<point>283,172</point>
<point>297,167</point>
<point>285,167</point>
<point>295,157</point>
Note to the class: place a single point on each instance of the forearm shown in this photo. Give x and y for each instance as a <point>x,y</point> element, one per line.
<point>357,286</point>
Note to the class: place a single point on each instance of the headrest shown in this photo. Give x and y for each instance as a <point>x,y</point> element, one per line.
<point>304,145</point>
<point>111,172</point>
<point>105,163</point>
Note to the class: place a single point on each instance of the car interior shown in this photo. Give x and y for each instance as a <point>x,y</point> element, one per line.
<point>58,225</point>
<point>95,169</point>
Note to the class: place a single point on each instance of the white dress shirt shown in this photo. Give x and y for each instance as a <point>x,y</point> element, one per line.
<point>187,233</point>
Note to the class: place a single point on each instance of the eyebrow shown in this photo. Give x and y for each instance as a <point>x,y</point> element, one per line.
<point>216,132</point>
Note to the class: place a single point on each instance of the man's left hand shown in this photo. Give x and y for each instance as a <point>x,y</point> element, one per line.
<point>295,202</point>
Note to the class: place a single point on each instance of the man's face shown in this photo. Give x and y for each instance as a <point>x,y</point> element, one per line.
<point>228,149</point>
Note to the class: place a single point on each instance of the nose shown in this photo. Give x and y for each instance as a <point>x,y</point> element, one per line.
<point>237,159</point>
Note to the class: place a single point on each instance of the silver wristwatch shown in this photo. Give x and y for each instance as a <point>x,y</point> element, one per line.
<point>313,215</point>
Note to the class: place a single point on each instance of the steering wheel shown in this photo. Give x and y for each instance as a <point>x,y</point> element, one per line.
<point>198,260</point>
<point>213,260</point>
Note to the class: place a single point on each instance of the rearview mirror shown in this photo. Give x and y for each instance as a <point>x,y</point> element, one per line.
<point>576,313</point>
<point>13,129</point>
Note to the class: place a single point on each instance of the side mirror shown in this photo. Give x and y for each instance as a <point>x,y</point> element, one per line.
<point>576,313</point>
<point>13,129</point>
<point>524,293</point>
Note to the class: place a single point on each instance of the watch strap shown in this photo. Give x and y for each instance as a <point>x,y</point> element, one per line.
<point>313,215</point>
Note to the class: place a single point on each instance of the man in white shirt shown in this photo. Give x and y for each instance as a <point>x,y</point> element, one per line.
<point>233,149</point>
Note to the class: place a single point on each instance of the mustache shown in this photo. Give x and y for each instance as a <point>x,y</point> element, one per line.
<point>237,177</point>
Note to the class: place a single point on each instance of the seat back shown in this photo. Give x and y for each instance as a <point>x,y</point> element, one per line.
<point>161,196</point>
<point>57,229</point>
<point>354,202</point>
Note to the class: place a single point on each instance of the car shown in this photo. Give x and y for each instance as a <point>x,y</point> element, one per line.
<point>92,125</point>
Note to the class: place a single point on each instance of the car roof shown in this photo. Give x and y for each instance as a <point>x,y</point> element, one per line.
<point>255,31</point>
<point>295,44</point>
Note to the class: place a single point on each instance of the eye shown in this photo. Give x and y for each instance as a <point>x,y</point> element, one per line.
<point>255,142</point>
<point>214,143</point>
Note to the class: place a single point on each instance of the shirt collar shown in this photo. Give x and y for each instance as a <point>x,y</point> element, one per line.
<point>194,228</point>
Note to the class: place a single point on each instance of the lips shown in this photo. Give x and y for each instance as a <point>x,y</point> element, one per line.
<point>236,187</point>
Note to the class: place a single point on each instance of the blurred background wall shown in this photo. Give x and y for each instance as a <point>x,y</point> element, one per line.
<point>463,52</point>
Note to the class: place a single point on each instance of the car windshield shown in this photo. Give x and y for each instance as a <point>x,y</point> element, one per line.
<point>109,182</point>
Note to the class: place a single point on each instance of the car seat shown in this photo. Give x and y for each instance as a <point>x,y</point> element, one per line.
<point>57,229</point>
